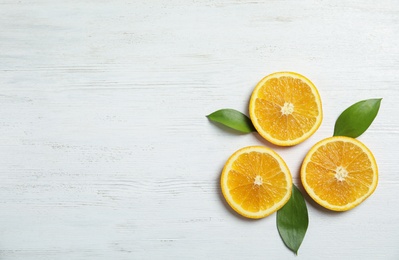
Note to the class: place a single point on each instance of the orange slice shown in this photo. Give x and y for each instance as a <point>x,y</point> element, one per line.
<point>285,108</point>
<point>339,173</point>
<point>256,182</point>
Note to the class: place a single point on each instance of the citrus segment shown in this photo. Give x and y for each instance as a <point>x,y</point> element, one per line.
<point>285,108</point>
<point>339,173</point>
<point>256,182</point>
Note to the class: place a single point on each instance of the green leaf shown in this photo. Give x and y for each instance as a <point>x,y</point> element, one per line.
<point>233,119</point>
<point>292,220</point>
<point>355,120</point>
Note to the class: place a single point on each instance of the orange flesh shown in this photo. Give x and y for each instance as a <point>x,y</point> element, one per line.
<point>321,172</point>
<point>242,183</point>
<point>271,98</point>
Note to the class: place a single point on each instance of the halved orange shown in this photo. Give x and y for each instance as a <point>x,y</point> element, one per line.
<point>256,182</point>
<point>339,173</point>
<point>285,108</point>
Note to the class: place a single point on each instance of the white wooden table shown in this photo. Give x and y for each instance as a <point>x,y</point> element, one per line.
<point>105,149</point>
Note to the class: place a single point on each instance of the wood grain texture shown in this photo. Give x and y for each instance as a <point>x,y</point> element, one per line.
<point>105,149</point>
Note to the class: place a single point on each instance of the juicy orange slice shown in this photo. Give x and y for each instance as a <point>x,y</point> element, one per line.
<point>256,182</point>
<point>339,173</point>
<point>285,108</point>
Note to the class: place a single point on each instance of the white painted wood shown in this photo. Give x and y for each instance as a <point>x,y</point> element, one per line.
<point>105,149</point>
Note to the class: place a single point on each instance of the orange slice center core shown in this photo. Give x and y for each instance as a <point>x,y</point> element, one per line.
<point>287,109</point>
<point>258,180</point>
<point>341,173</point>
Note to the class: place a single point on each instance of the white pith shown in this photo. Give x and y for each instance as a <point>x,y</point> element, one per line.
<point>341,173</point>
<point>287,109</point>
<point>258,180</point>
